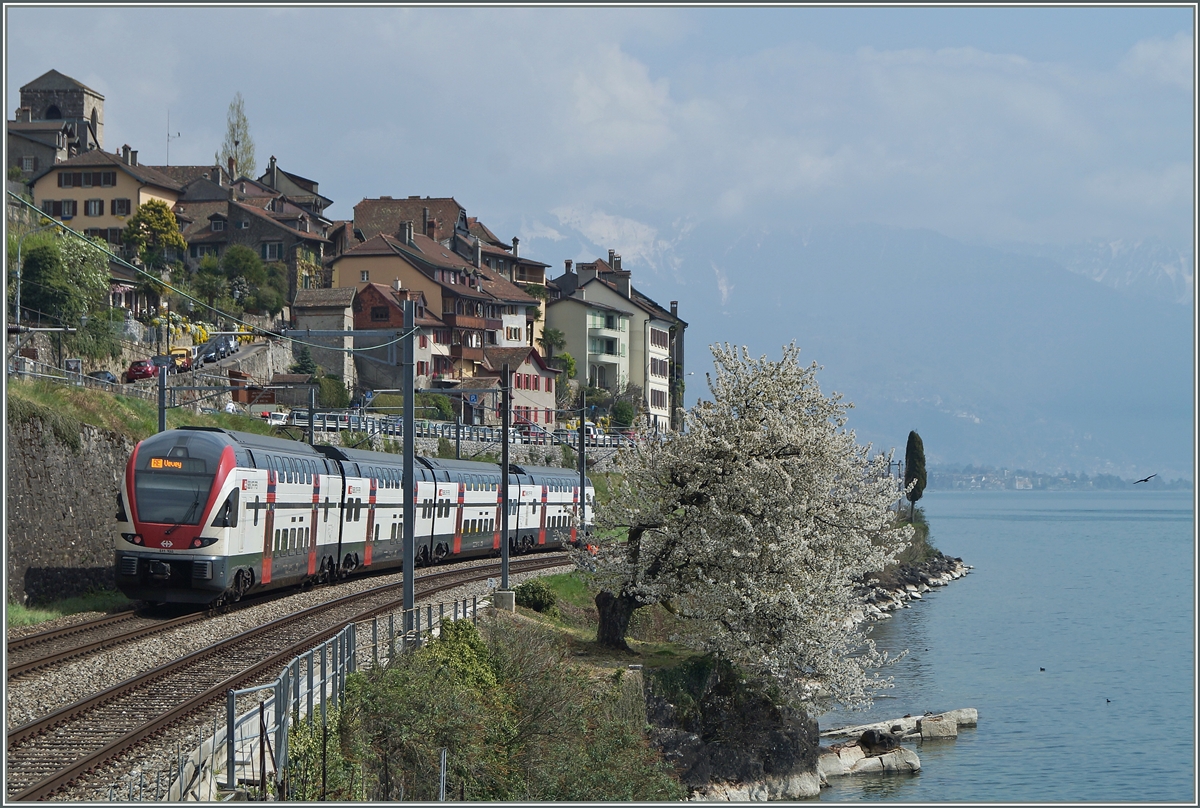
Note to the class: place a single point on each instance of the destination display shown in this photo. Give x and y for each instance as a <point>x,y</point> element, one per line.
<point>188,465</point>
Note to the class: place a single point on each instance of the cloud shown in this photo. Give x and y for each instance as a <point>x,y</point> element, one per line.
<point>1166,60</point>
<point>723,284</point>
<point>537,230</point>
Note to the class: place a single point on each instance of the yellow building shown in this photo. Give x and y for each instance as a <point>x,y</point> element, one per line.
<point>96,192</point>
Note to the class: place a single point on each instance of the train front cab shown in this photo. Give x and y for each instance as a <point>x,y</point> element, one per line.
<point>175,511</point>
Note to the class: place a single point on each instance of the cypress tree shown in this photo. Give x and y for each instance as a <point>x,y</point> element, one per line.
<point>914,470</point>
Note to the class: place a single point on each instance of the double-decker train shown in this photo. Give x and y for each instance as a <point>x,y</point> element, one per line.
<point>208,515</point>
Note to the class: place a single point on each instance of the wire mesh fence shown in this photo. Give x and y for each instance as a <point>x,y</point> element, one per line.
<point>247,755</point>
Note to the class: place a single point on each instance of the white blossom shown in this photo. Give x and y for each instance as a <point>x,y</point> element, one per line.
<point>755,522</point>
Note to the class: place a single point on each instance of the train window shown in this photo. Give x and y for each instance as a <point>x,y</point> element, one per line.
<point>377,532</point>
<point>276,545</point>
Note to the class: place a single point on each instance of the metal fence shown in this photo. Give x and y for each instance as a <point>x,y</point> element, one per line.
<point>248,756</point>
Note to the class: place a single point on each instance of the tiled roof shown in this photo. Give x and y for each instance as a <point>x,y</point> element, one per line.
<point>396,298</point>
<point>481,231</point>
<point>503,290</point>
<point>99,158</point>
<point>595,304</point>
<point>262,214</point>
<point>53,80</point>
<point>338,297</point>
<point>37,126</point>
<point>384,215</point>
<point>495,358</point>
<point>186,174</point>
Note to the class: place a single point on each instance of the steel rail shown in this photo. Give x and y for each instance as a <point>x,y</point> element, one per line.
<point>64,776</point>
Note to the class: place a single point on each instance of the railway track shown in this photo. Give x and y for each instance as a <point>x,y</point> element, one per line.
<point>39,651</point>
<point>51,753</point>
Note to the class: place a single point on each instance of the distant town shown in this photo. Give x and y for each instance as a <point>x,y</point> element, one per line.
<point>969,477</point>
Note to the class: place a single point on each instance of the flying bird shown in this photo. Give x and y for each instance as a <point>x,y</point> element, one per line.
<point>1146,479</point>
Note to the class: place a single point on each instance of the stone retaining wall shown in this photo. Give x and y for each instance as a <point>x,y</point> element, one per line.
<point>60,510</point>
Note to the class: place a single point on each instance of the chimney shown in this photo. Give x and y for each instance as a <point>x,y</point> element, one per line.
<point>675,309</point>
<point>232,176</point>
<point>133,157</point>
<point>25,115</point>
<point>621,280</point>
<point>617,263</point>
<point>396,284</point>
<point>425,221</point>
<point>125,154</point>
<point>216,175</point>
<point>274,174</point>
<point>568,262</point>
<point>516,250</point>
<point>478,252</point>
<point>611,257</point>
<point>431,230</point>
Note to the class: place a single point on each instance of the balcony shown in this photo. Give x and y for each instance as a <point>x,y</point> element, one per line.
<point>466,352</point>
<point>465,321</point>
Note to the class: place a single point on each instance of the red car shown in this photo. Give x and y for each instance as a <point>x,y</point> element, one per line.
<point>140,369</point>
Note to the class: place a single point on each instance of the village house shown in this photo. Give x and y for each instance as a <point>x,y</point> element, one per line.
<point>327,310</point>
<point>379,320</point>
<point>532,387</point>
<point>621,336</point>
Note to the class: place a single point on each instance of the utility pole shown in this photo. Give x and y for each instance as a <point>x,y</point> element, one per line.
<point>312,415</point>
<point>162,398</point>
<point>582,459</point>
<point>408,478</point>
<point>505,598</point>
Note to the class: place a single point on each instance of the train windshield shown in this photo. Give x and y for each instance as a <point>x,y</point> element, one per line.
<point>174,475</point>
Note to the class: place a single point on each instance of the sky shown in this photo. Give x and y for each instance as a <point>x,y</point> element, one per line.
<point>665,133</point>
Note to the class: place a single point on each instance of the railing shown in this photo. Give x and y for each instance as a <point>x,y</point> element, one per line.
<point>25,368</point>
<point>250,753</point>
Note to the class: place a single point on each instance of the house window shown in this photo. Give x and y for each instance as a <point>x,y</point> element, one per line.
<point>424,341</point>
<point>379,313</point>
<point>364,276</point>
<point>658,399</point>
<point>243,225</point>
<point>536,382</point>
<point>422,368</point>
<point>66,179</point>
<point>93,207</point>
<point>549,415</point>
<point>60,209</point>
<point>121,207</point>
<point>108,179</point>
<point>272,251</point>
<point>218,224</point>
<point>659,338</point>
<point>549,385</point>
<point>27,163</point>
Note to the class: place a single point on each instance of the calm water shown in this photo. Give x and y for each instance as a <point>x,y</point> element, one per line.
<point>1097,588</point>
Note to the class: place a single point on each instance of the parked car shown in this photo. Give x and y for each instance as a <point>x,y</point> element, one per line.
<point>140,369</point>
<point>105,376</point>
<point>182,357</point>
<point>277,418</point>
<point>211,352</point>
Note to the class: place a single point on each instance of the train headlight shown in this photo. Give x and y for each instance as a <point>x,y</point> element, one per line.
<point>203,541</point>
<point>133,538</point>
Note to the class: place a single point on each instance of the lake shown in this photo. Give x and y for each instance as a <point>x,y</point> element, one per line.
<point>1095,587</point>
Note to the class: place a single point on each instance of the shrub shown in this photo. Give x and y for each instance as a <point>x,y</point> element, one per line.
<point>536,595</point>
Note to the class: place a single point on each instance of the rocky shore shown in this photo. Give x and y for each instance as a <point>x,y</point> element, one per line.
<point>876,747</point>
<point>897,588</point>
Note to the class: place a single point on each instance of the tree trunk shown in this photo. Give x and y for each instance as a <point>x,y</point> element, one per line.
<point>615,611</point>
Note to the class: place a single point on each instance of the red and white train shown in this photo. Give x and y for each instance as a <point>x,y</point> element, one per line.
<point>208,515</point>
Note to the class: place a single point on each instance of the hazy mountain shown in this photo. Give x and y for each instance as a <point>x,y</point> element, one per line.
<point>994,357</point>
<point>1143,267</point>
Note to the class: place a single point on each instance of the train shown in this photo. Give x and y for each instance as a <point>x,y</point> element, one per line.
<point>206,516</point>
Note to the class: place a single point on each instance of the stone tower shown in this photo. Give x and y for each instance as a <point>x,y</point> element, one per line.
<point>53,97</point>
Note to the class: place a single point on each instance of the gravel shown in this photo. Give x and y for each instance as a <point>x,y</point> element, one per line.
<point>37,695</point>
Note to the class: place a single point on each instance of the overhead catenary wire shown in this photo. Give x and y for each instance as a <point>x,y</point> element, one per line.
<point>113,257</point>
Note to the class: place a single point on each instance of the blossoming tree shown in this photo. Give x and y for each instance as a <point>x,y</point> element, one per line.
<point>753,525</point>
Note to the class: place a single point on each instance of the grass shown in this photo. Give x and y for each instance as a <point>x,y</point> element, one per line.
<point>100,601</point>
<point>575,618</point>
<point>63,407</point>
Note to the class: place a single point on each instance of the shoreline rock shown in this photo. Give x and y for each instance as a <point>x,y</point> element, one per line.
<point>906,584</point>
<point>876,747</point>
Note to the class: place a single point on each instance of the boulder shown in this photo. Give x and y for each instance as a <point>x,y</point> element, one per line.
<point>938,726</point>
<point>899,760</point>
<point>964,717</point>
